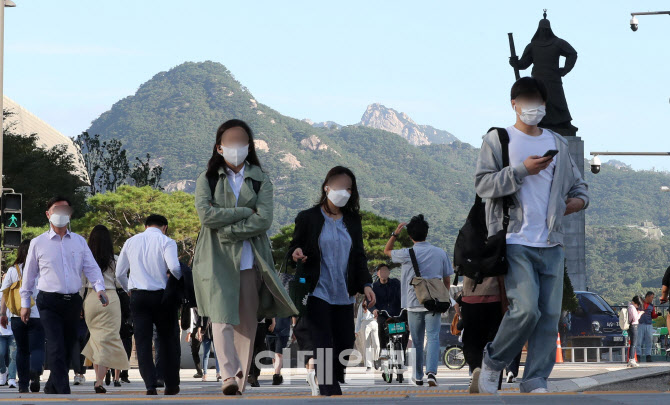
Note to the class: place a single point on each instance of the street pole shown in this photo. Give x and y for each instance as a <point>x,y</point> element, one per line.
<point>2,90</point>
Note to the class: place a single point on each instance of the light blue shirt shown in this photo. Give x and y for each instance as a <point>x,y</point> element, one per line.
<point>433,263</point>
<point>236,180</point>
<point>335,245</point>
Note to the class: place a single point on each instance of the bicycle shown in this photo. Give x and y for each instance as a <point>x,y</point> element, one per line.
<point>454,358</point>
<point>394,362</point>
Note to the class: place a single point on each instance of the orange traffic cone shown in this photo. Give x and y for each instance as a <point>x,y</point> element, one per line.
<point>559,350</point>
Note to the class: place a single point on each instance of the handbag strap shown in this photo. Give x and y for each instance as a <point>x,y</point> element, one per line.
<point>415,264</point>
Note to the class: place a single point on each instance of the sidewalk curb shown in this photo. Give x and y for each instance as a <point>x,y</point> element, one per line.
<point>585,383</point>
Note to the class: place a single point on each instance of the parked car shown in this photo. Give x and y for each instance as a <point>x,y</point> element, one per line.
<point>594,323</point>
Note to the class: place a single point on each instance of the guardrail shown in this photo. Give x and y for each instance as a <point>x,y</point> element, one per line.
<point>611,354</point>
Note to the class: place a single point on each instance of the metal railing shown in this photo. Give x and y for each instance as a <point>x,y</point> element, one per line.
<point>611,354</point>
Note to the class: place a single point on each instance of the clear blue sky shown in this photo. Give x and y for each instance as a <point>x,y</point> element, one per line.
<point>442,62</point>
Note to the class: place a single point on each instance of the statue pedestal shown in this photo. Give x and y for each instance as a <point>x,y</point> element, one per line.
<point>574,227</point>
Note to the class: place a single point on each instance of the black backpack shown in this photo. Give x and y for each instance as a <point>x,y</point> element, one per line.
<point>475,254</point>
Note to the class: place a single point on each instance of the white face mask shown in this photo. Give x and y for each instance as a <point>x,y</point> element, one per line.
<point>59,220</point>
<point>235,155</point>
<point>532,115</point>
<point>339,198</point>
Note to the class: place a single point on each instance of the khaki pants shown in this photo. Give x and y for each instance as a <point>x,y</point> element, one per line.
<point>234,343</point>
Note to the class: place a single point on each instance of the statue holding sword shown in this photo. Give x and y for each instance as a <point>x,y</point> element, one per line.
<point>544,53</point>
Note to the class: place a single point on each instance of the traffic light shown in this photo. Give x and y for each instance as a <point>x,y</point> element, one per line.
<point>12,205</point>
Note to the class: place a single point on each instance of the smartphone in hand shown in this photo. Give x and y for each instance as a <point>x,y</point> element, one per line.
<point>103,300</point>
<point>550,153</point>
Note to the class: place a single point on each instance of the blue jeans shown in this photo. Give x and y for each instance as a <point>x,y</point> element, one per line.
<point>7,344</point>
<point>428,324</point>
<point>534,286</point>
<point>644,338</point>
<point>632,335</point>
<point>206,348</point>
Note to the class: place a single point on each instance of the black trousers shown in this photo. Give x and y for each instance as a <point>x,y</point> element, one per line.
<point>480,325</point>
<point>29,349</point>
<point>60,319</point>
<point>332,330</point>
<point>147,311</point>
<point>195,352</point>
<point>259,346</point>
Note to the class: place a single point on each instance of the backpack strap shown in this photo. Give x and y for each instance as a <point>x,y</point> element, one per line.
<point>415,264</point>
<point>503,137</point>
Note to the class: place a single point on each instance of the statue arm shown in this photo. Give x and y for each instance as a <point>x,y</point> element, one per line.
<point>570,56</point>
<point>526,59</point>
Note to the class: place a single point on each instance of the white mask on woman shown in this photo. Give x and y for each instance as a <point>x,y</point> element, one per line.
<point>235,155</point>
<point>339,198</point>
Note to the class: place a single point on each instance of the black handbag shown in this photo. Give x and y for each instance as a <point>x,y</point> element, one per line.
<point>476,255</point>
<point>296,284</point>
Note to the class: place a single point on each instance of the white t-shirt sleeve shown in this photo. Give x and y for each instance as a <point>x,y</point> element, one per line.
<point>10,278</point>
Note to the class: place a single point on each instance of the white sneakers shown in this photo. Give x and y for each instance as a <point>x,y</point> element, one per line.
<point>510,378</point>
<point>11,383</point>
<point>632,363</point>
<point>488,379</point>
<point>539,391</point>
<point>3,378</point>
<point>311,380</point>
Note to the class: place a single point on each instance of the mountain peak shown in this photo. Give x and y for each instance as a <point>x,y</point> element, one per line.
<point>381,117</point>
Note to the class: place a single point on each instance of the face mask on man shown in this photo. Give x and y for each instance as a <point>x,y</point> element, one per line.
<point>235,155</point>
<point>532,115</point>
<point>339,198</point>
<point>59,220</point>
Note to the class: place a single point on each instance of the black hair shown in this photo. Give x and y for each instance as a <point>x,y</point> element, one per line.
<point>22,253</point>
<point>379,267</point>
<point>636,299</point>
<point>156,220</point>
<point>101,245</point>
<point>648,294</point>
<point>528,86</point>
<point>353,205</point>
<point>217,161</point>
<point>417,228</point>
<point>56,199</point>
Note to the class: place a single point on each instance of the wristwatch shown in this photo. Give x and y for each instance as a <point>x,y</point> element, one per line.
<point>394,234</point>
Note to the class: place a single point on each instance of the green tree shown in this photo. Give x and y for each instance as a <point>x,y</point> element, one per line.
<point>123,211</point>
<point>40,173</point>
<point>145,175</point>
<point>90,157</point>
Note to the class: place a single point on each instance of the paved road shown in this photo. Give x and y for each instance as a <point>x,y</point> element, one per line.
<point>360,387</point>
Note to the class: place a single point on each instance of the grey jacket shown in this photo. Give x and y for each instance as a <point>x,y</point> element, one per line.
<point>492,182</point>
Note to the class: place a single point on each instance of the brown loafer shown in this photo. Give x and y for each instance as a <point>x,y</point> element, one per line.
<point>230,387</point>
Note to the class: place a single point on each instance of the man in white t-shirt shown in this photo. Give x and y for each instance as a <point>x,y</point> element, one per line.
<point>544,184</point>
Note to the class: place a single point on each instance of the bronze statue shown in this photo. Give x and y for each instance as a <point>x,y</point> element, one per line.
<point>544,52</point>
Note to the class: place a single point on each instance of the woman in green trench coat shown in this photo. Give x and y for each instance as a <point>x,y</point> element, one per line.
<point>233,272</point>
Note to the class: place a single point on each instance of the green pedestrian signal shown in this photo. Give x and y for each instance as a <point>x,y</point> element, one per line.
<point>12,205</point>
<point>13,222</point>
